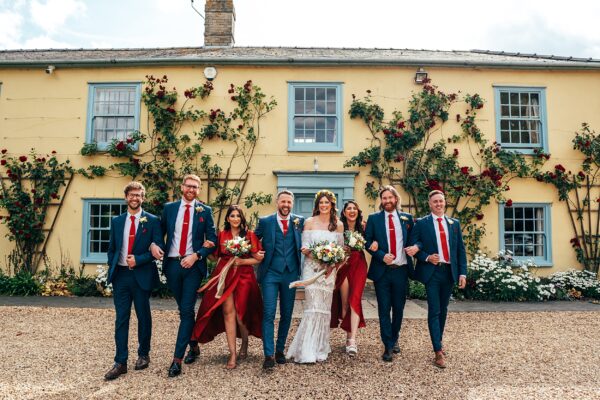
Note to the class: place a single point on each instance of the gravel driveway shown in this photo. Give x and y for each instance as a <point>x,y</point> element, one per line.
<point>57,353</point>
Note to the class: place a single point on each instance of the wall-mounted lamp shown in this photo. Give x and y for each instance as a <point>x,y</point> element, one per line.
<point>50,69</point>
<point>210,73</point>
<point>420,75</point>
<point>316,164</point>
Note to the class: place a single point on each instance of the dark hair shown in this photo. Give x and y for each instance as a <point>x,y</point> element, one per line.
<point>358,226</point>
<point>434,192</point>
<point>133,185</point>
<point>243,224</point>
<point>332,214</point>
<point>392,190</point>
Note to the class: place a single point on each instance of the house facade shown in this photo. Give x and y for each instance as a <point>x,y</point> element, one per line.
<point>62,99</point>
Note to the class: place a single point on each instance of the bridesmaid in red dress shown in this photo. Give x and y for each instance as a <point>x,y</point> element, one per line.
<point>350,283</point>
<point>238,312</point>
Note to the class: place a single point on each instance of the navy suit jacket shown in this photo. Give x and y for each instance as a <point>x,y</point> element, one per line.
<point>147,232</point>
<point>423,235</point>
<point>266,232</point>
<point>203,228</point>
<point>376,231</point>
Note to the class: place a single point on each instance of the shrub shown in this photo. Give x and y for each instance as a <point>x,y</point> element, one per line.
<point>416,290</point>
<point>22,284</point>
<point>576,284</point>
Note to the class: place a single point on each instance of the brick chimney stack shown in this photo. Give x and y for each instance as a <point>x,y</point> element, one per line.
<point>219,23</point>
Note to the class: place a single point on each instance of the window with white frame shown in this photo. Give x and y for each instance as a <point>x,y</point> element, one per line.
<point>97,218</point>
<point>521,118</point>
<point>113,112</point>
<point>315,117</point>
<point>525,231</point>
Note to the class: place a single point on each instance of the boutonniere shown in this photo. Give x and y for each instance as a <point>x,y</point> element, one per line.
<point>296,222</point>
<point>450,221</point>
<point>404,218</point>
<point>199,209</point>
<point>143,220</point>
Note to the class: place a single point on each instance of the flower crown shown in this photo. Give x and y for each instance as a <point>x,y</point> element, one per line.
<point>329,193</point>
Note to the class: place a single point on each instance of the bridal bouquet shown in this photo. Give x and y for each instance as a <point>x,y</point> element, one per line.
<point>354,240</point>
<point>238,246</point>
<point>328,253</point>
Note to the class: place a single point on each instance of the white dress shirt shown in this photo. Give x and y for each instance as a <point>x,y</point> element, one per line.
<point>279,218</point>
<point>400,254</point>
<point>126,228</point>
<point>437,236</point>
<point>174,250</point>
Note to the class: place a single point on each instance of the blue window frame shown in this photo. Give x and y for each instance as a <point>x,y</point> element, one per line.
<point>525,230</point>
<point>113,112</point>
<point>521,123</point>
<point>97,218</point>
<point>315,116</point>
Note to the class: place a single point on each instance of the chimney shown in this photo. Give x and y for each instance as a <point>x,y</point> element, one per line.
<point>219,23</point>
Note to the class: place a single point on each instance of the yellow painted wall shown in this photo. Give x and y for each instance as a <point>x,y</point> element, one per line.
<point>49,112</point>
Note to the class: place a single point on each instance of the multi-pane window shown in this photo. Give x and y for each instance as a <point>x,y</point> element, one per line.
<point>98,215</point>
<point>521,118</point>
<point>315,117</point>
<point>113,112</point>
<point>525,231</point>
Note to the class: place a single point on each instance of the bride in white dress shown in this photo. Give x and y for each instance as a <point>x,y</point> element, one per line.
<point>311,342</point>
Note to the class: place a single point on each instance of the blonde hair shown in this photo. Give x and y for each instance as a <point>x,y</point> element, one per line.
<point>192,177</point>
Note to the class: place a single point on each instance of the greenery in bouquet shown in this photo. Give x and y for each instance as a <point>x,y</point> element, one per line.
<point>328,253</point>
<point>238,246</point>
<point>354,240</point>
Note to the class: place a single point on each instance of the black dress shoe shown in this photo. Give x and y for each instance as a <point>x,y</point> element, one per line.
<point>269,363</point>
<point>116,371</point>
<point>192,355</point>
<point>387,355</point>
<point>142,362</point>
<point>396,348</point>
<point>280,358</point>
<point>174,369</point>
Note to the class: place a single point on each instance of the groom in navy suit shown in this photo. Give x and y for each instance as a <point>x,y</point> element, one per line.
<point>281,235</point>
<point>133,274</point>
<point>442,262</point>
<point>187,224</point>
<point>391,265</point>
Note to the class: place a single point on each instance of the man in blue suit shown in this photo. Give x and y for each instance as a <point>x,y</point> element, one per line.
<point>281,235</point>
<point>441,262</point>
<point>133,274</point>
<point>187,224</point>
<point>391,265</point>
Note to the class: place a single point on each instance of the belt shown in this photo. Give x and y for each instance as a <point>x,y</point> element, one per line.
<point>124,267</point>
<point>394,266</point>
<point>443,264</point>
<point>178,258</point>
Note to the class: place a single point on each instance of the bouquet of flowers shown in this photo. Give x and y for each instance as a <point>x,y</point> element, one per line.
<point>354,240</point>
<point>328,253</point>
<point>238,246</point>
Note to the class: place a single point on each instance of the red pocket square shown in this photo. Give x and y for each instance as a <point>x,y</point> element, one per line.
<point>145,230</point>
<point>201,219</point>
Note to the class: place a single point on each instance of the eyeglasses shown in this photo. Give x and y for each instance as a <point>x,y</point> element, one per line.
<point>191,187</point>
<point>135,195</point>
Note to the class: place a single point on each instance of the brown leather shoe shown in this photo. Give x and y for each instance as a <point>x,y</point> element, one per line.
<point>142,362</point>
<point>116,371</point>
<point>440,359</point>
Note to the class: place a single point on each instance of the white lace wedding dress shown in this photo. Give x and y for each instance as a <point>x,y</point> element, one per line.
<point>311,343</point>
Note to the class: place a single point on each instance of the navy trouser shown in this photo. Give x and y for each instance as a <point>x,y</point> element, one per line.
<point>126,291</point>
<point>390,290</point>
<point>183,282</point>
<point>273,285</point>
<point>439,290</point>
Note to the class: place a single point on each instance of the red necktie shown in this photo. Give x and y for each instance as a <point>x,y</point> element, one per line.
<point>284,222</point>
<point>445,251</point>
<point>184,231</point>
<point>392,233</point>
<point>131,235</point>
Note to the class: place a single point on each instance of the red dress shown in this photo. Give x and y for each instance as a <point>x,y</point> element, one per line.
<point>355,270</point>
<point>241,284</point>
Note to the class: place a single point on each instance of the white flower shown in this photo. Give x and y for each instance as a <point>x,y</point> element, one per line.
<point>404,218</point>
<point>296,222</point>
<point>450,221</point>
<point>143,220</point>
<point>199,209</point>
